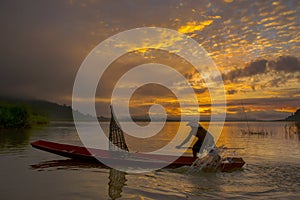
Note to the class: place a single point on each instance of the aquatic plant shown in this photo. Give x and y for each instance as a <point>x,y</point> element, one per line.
<point>258,131</point>
<point>291,129</point>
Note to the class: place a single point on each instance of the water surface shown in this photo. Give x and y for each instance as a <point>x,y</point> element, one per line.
<point>272,169</point>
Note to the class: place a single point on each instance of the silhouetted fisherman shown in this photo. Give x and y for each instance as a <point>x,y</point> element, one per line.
<point>199,132</point>
<point>201,135</point>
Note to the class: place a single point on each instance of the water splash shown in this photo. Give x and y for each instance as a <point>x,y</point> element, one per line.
<point>209,162</point>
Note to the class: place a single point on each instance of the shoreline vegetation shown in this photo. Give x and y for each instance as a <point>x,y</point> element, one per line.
<point>19,116</point>
<point>24,113</point>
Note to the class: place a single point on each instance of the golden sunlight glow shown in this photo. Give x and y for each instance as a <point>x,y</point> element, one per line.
<point>193,26</point>
<point>234,40</point>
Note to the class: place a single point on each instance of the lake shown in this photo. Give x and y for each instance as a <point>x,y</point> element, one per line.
<point>272,169</point>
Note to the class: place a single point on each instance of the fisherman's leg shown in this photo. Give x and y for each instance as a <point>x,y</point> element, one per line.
<point>195,153</point>
<point>197,147</point>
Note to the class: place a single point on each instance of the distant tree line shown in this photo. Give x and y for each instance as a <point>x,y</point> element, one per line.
<point>19,116</point>
<point>22,113</point>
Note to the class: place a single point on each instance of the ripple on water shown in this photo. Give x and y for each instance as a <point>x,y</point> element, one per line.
<point>254,182</point>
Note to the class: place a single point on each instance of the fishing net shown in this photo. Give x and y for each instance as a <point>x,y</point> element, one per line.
<point>116,135</point>
<point>116,143</point>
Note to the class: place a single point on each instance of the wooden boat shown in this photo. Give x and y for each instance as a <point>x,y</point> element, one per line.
<point>133,159</point>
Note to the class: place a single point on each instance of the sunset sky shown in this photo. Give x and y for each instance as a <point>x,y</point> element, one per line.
<point>254,44</point>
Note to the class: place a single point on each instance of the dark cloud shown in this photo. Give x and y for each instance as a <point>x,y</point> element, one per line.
<point>234,109</point>
<point>153,90</point>
<point>200,90</point>
<point>285,64</point>
<point>231,92</point>
<point>251,69</point>
<point>256,67</point>
<point>271,102</point>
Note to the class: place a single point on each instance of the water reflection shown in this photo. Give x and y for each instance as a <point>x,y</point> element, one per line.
<point>292,131</point>
<point>116,178</point>
<point>298,127</point>
<point>272,169</point>
<point>66,164</point>
<point>116,183</point>
<point>14,138</point>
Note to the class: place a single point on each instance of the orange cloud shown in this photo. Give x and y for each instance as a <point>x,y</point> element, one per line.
<point>193,26</point>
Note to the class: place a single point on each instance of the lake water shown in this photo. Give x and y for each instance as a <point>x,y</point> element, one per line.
<point>272,169</point>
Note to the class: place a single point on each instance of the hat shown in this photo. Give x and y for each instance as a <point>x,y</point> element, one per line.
<point>193,124</point>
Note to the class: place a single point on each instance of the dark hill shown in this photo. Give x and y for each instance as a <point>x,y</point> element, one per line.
<point>53,111</point>
<point>294,117</point>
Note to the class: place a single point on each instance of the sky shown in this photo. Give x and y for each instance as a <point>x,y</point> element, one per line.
<point>254,44</point>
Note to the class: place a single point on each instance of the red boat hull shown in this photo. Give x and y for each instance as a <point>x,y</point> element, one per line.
<point>84,154</point>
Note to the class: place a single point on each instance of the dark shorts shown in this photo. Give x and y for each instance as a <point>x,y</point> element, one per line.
<point>197,146</point>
